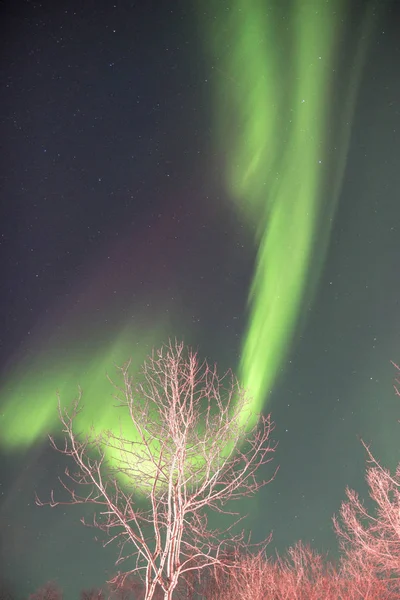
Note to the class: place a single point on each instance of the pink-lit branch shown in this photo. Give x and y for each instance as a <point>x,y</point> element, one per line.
<point>371,542</point>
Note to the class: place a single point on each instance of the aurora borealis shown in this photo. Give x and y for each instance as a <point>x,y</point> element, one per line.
<point>279,189</point>
<point>273,129</point>
<point>224,174</point>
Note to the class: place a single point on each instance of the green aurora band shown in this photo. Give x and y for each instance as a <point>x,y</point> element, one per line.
<point>276,96</point>
<point>29,399</point>
<point>273,130</point>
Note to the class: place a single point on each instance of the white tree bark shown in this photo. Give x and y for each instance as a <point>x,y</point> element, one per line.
<point>188,449</point>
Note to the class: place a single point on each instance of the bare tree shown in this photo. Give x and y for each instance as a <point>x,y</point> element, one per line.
<point>50,591</point>
<point>191,449</point>
<point>371,542</point>
<point>92,594</point>
<point>301,574</point>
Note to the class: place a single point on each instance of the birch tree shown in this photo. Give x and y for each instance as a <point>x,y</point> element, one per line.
<point>190,448</point>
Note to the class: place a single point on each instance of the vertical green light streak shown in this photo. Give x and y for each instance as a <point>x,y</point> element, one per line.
<point>275,72</point>
<point>287,234</point>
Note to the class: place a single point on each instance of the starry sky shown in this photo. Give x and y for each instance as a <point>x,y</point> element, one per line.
<point>159,178</point>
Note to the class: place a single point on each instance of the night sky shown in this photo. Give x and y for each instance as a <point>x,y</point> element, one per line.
<point>159,179</point>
